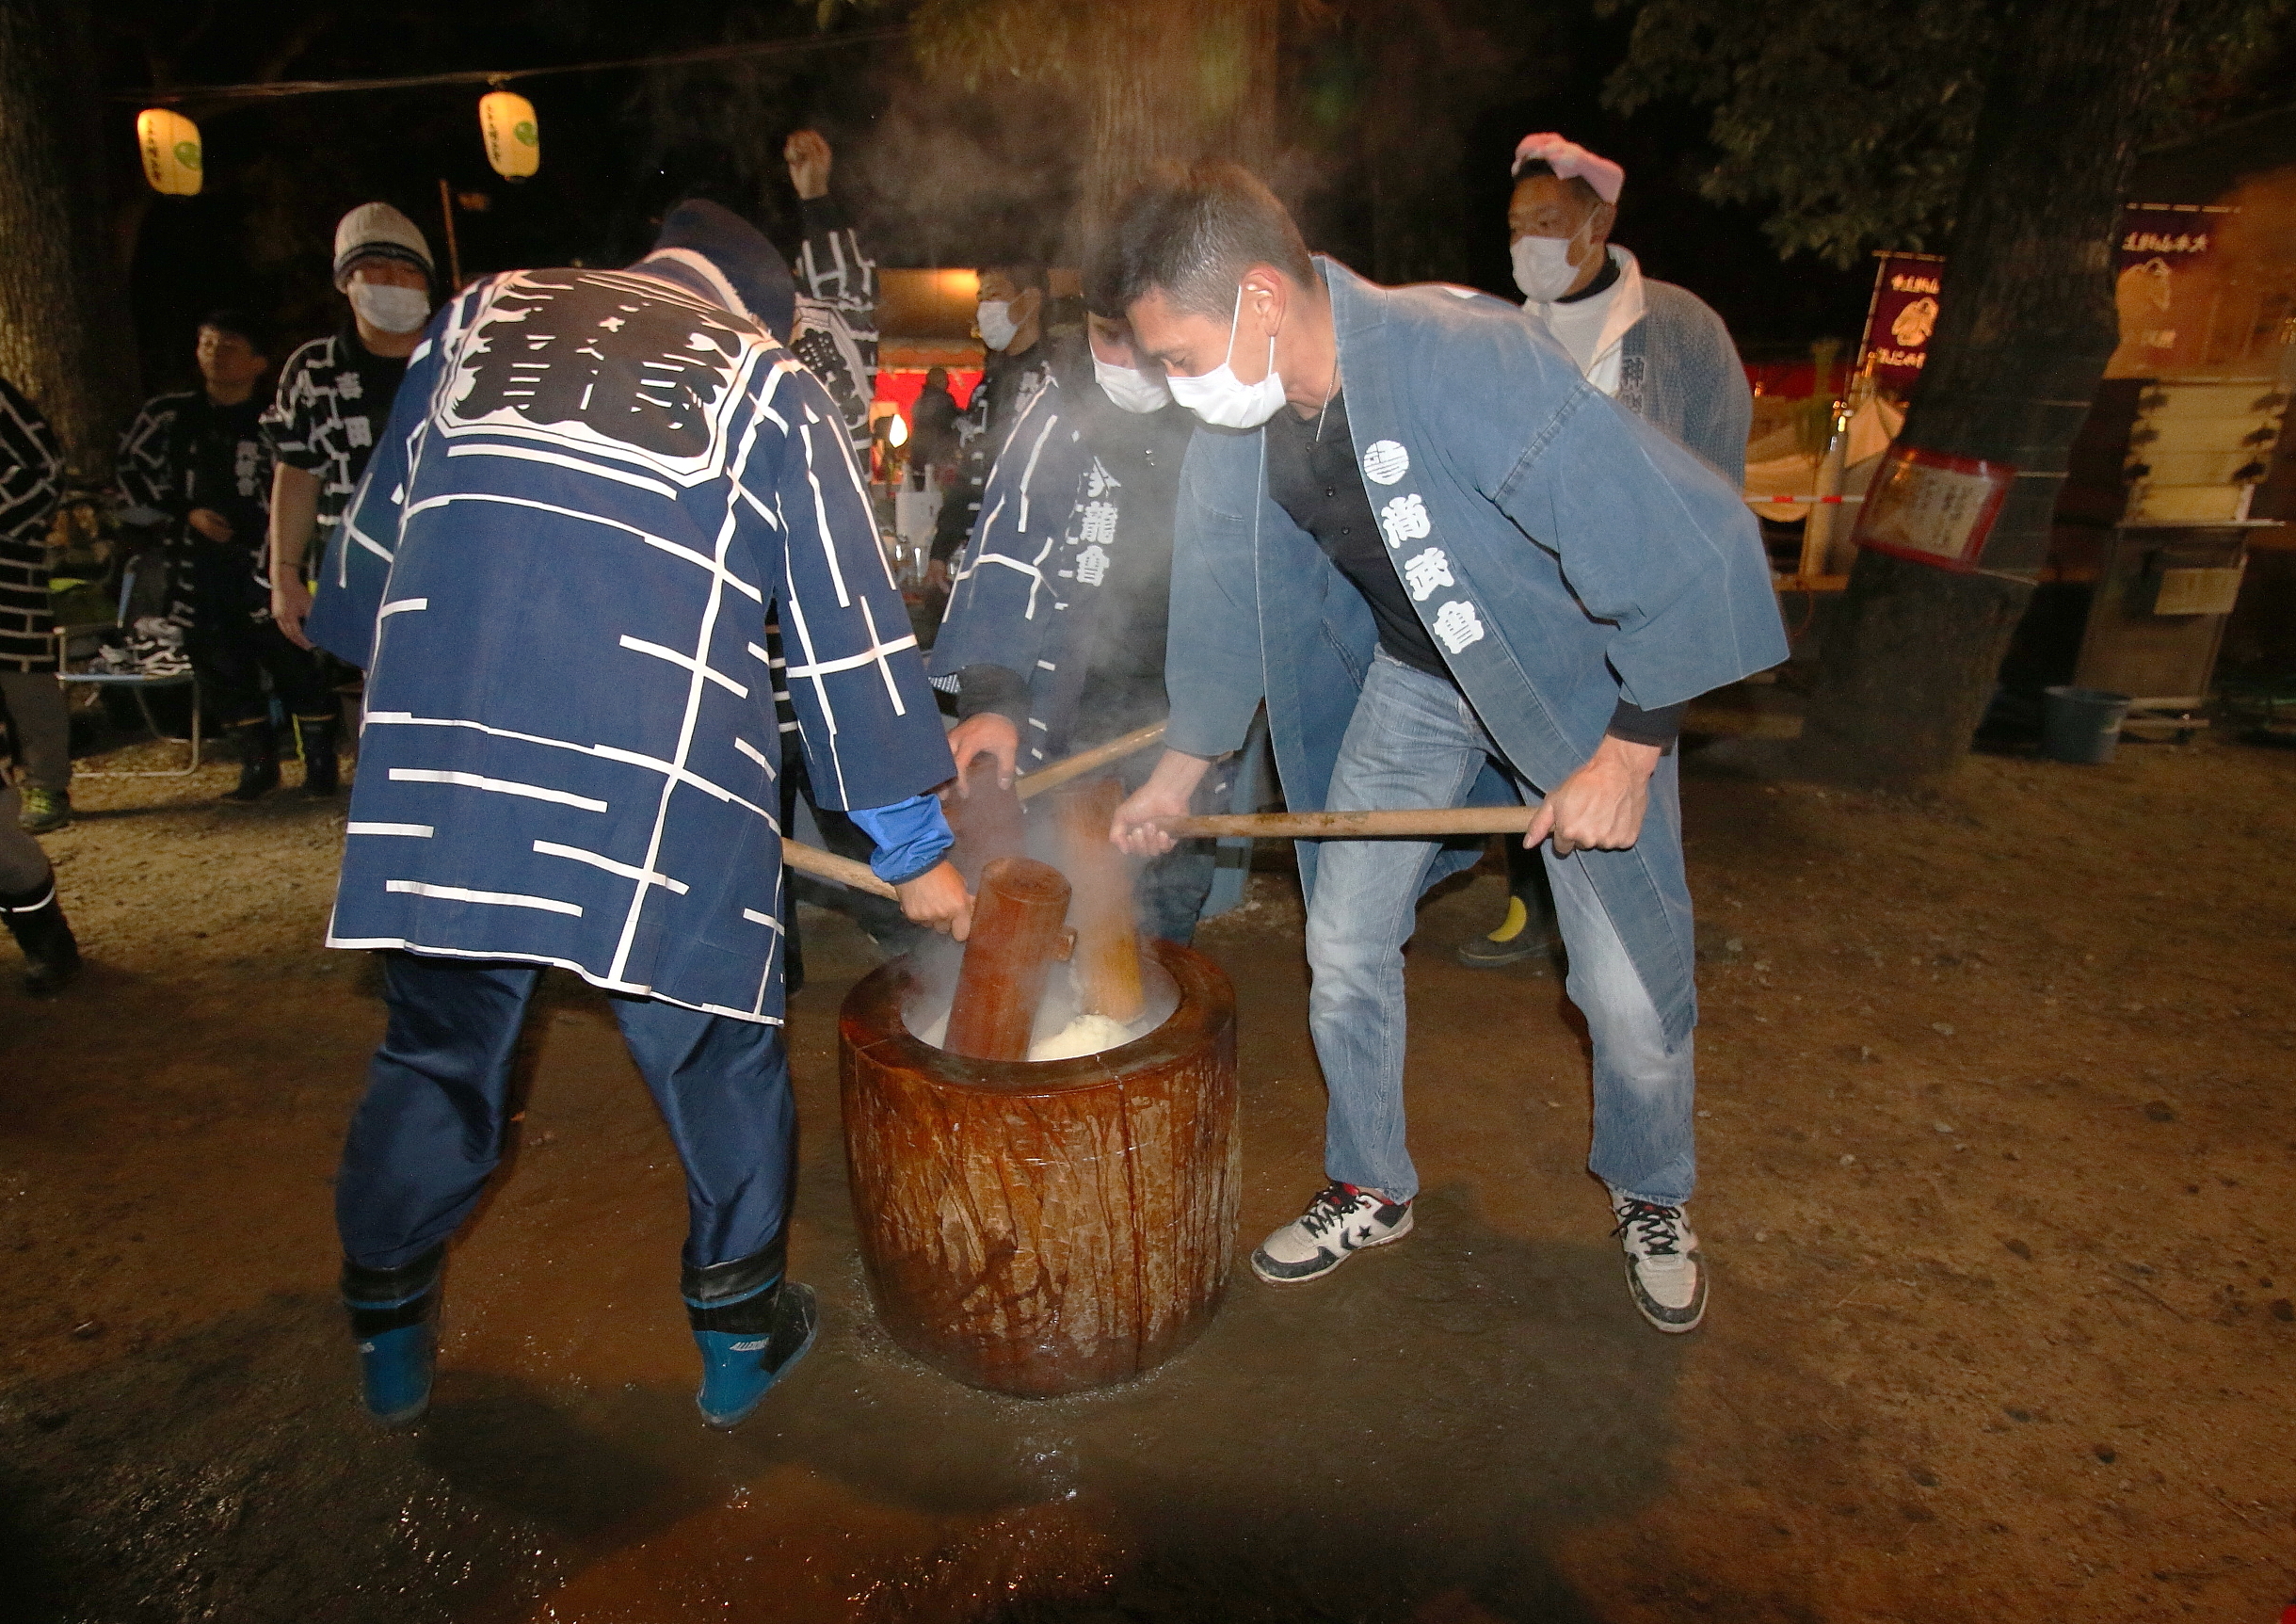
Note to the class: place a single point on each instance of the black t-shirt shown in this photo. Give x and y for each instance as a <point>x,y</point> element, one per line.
<point>1311,475</point>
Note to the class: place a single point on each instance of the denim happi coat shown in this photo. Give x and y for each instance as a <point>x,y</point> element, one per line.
<point>1561,553</point>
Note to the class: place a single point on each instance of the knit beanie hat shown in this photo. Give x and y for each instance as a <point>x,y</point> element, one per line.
<point>751,266</point>
<point>378,231</point>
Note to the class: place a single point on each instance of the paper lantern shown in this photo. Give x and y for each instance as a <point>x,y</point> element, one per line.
<point>170,145</point>
<point>514,147</point>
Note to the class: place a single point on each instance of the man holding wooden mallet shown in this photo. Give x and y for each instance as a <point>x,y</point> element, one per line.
<point>1446,562</point>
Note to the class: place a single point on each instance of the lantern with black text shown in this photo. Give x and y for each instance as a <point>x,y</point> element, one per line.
<point>514,146</point>
<point>171,146</point>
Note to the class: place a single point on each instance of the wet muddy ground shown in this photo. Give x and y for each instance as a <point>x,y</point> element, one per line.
<point>1998,1151</point>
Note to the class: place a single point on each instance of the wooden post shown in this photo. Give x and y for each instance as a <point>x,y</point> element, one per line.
<point>1107,959</point>
<point>1044,1227</point>
<point>1016,933</point>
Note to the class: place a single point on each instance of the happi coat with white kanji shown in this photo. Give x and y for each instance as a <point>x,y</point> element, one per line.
<point>595,488</point>
<point>1562,553</point>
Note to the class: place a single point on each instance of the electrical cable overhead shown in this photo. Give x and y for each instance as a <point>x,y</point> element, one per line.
<point>279,90</point>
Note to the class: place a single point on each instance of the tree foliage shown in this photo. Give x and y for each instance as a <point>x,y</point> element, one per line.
<point>1853,122</point>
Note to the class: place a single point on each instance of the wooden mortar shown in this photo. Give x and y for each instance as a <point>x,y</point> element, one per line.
<point>1048,1227</point>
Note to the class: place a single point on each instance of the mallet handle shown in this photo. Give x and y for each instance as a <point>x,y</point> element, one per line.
<point>1083,762</point>
<point>1423,823</point>
<point>828,865</point>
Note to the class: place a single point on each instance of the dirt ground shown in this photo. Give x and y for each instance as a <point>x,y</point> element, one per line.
<point>1999,1134</point>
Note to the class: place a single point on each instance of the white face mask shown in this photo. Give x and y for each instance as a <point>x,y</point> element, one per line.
<point>1224,400</point>
<point>1130,387</point>
<point>391,309</point>
<point>1542,265</point>
<point>995,321</point>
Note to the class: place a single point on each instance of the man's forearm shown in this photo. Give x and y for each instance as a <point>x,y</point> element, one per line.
<point>295,518</point>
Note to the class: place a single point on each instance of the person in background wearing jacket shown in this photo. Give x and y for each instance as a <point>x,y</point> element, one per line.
<point>1655,348</point>
<point>31,488</point>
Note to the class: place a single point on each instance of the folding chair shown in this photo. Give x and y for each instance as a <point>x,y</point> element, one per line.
<point>85,639</point>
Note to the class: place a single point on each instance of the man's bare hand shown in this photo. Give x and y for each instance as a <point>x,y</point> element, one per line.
<point>938,898</point>
<point>806,153</point>
<point>937,574</point>
<point>290,608</point>
<point>1165,795</point>
<point>987,734</point>
<point>1602,805</point>
<point>210,523</point>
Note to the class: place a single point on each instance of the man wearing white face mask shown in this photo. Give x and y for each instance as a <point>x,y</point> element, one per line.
<point>1055,637</point>
<point>335,395</point>
<point>1010,320</point>
<point>1453,574</point>
<point>1655,348</point>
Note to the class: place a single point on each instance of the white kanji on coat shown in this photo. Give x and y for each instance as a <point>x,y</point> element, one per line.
<point>1092,565</point>
<point>346,386</point>
<point>1096,523</point>
<point>357,432</point>
<point>1405,519</point>
<point>1386,461</point>
<point>1098,481</point>
<point>1458,625</point>
<point>1423,572</point>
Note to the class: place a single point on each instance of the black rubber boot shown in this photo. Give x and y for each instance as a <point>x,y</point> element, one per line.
<point>394,1316</point>
<point>35,920</point>
<point>258,760</point>
<point>751,1326</point>
<point>322,773</point>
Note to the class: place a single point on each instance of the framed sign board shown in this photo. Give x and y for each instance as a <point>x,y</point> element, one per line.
<point>1931,507</point>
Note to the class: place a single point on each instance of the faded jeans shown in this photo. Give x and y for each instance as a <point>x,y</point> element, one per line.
<point>1415,741</point>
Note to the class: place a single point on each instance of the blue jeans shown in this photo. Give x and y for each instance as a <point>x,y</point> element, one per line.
<point>1415,741</point>
<point>430,1131</point>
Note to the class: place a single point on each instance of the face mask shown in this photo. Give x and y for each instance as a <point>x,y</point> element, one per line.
<point>1542,265</point>
<point>1222,399</point>
<point>1130,387</point>
<point>995,320</point>
<point>391,309</point>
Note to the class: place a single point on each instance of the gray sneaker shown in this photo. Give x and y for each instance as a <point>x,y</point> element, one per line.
<point>1341,1221</point>
<point>1664,1271</point>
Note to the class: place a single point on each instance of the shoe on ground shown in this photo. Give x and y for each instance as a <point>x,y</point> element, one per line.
<point>739,1368</point>
<point>44,811</point>
<point>1340,1222</point>
<point>1517,938</point>
<point>1665,1272</point>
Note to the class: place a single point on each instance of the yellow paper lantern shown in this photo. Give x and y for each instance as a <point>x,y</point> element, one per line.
<point>171,146</point>
<point>514,146</point>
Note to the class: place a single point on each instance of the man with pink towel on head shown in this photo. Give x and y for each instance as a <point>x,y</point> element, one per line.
<point>1655,348</point>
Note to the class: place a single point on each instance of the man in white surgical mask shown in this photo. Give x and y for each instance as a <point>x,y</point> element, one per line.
<point>1010,320</point>
<point>1655,348</point>
<point>334,398</point>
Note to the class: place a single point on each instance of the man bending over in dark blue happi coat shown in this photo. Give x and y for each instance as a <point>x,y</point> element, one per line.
<point>1446,561</point>
<point>595,488</point>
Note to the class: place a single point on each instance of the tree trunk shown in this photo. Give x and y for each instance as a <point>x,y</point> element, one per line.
<point>2026,324</point>
<point>1173,84</point>
<point>65,336</point>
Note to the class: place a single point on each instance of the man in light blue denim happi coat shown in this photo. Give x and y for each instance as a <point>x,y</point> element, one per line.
<point>1444,560</point>
<point>595,488</point>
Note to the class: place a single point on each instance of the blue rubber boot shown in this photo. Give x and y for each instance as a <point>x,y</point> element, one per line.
<point>395,1314</point>
<point>751,1326</point>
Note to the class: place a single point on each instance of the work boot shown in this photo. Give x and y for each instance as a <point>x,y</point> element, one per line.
<point>44,811</point>
<point>751,1326</point>
<point>322,773</point>
<point>1521,935</point>
<point>258,760</point>
<point>35,920</point>
<point>394,1316</point>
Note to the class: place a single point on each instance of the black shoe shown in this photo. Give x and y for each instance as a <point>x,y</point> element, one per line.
<point>1523,935</point>
<point>258,762</point>
<point>35,920</point>
<point>322,773</point>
